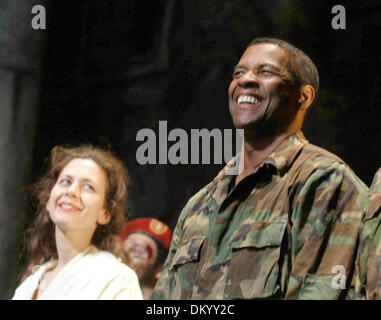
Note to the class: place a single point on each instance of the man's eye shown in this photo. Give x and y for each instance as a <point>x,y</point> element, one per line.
<point>267,72</point>
<point>237,74</point>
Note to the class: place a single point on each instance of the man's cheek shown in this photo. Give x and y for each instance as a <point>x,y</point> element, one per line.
<point>150,252</point>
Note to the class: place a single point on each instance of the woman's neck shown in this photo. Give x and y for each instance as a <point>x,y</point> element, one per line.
<point>69,244</point>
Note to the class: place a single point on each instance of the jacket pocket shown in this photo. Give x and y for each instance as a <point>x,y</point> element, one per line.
<point>254,264</point>
<point>184,266</point>
<point>188,251</point>
<point>318,288</point>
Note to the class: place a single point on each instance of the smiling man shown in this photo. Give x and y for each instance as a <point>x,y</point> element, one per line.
<point>283,227</point>
<point>146,242</point>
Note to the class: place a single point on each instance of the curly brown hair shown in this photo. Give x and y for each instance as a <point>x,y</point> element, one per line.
<point>39,238</point>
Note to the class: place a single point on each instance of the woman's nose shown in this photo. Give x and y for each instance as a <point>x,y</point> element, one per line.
<point>73,189</point>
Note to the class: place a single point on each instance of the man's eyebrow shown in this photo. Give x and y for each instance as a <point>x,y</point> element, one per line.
<point>271,65</point>
<point>237,66</point>
<point>264,64</point>
<point>135,244</point>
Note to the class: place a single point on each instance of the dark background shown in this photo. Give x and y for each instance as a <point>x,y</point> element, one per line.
<point>106,69</point>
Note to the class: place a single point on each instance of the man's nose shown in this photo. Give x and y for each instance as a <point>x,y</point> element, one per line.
<point>249,78</point>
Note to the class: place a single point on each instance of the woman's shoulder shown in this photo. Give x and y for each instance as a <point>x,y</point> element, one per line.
<point>106,261</point>
<point>28,285</point>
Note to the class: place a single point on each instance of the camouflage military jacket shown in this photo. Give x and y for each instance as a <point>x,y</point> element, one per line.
<point>368,264</point>
<point>281,232</point>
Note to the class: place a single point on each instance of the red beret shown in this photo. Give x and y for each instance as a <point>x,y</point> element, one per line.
<point>151,226</point>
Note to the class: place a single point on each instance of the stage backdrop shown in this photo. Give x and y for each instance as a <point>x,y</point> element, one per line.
<point>113,68</point>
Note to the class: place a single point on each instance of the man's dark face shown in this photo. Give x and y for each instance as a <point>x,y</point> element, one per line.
<point>261,95</point>
<point>142,254</point>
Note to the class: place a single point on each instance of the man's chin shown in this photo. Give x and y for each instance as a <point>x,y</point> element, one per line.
<point>245,125</point>
<point>254,129</point>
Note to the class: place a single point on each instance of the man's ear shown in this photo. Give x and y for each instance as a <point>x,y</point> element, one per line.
<point>105,217</point>
<point>306,96</point>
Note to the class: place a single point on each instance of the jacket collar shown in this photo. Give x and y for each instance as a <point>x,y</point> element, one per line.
<point>279,162</point>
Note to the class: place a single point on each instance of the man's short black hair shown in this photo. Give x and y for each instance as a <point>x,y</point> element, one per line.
<point>301,67</point>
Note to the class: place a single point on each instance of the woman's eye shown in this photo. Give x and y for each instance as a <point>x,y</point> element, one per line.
<point>88,187</point>
<point>64,181</point>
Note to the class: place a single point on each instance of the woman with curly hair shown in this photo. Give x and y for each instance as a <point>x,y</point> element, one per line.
<point>73,247</point>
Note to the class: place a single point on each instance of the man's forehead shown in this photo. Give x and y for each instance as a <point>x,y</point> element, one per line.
<point>140,237</point>
<point>264,53</point>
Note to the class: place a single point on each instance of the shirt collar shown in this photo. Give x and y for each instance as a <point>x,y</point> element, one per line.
<point>376,183</point>
<point>280,160</point>
<point>284,155</point>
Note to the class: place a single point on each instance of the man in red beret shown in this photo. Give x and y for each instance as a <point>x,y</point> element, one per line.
<point>146,242</point>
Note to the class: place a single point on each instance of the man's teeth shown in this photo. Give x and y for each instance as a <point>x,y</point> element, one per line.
<point>247,99</point>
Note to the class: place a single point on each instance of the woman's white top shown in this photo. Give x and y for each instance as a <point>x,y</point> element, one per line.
<point>92,274</point>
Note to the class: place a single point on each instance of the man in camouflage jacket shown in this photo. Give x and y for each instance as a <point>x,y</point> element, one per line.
<point>287,225</point>
<point>368,264</point>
